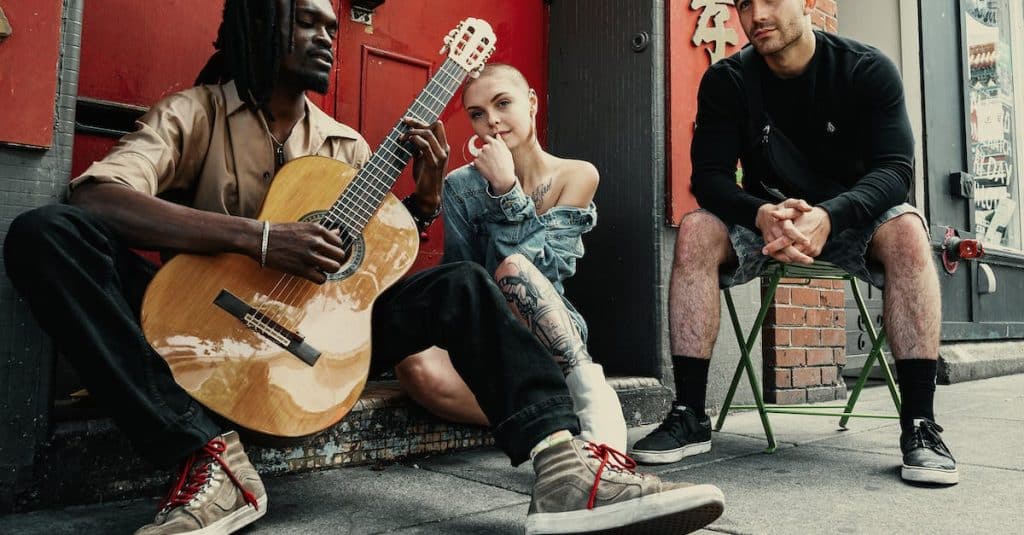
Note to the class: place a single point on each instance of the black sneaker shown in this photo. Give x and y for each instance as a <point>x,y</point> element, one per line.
<point>926,458</point>
<point>682,434</point>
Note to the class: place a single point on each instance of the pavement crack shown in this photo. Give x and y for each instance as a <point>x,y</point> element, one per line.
<point>464,478</point>
<point>449,518</point>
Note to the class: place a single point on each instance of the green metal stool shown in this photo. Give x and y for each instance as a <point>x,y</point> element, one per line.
<point>818,270</point>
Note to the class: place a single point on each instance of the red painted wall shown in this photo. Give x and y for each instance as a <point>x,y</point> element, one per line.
<point>133,54</point>
<point>28,72</point>
<point>686,65</point>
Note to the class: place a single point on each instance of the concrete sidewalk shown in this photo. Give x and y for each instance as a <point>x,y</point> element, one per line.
<point>819,481</point>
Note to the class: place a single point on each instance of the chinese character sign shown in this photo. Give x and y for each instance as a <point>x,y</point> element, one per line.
<point>698,31</point>
<point>711,28</point>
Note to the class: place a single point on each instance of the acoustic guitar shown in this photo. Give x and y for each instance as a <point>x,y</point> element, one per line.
<point>278,354</point>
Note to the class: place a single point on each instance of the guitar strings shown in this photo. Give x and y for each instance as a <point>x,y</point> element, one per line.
<point>382,187</point>
<point>336,213</point>
<point>348,218</point>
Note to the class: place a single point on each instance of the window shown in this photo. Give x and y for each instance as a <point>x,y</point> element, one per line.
<point>992,33</point>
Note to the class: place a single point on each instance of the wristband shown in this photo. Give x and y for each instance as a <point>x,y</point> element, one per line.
<point>422,221</point>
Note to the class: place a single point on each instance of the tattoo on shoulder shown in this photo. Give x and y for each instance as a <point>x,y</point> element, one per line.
<point>539,192</point>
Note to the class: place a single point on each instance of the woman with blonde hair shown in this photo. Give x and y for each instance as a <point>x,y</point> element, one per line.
<point>520,212</point>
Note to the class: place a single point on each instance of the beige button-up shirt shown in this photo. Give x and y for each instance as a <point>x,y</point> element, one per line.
<point>206,144</point>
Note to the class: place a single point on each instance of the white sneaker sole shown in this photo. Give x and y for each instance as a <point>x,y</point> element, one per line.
<point>670,456</point>
<point>236,520</point>
<point>680,510</point>
<point>930,475</point>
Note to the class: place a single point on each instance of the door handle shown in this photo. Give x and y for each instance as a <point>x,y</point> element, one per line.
<point>961,184</point>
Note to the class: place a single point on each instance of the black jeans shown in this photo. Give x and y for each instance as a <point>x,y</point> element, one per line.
<point>85,289</point>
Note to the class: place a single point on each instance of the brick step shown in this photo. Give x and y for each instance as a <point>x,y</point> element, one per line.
<point>90,461</point>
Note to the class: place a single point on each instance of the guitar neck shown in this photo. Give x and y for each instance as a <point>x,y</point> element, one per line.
<point>364,195</point>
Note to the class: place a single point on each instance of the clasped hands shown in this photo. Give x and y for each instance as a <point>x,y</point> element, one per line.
<point>794,232</point>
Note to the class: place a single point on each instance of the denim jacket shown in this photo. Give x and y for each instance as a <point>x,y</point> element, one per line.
<point>485,229</point>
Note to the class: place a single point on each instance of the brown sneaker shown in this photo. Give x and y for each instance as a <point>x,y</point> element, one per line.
<point>218,492</point>
<point>583,487</point>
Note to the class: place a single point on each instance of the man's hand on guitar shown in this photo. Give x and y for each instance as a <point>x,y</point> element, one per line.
<point>306,250</point>
<point>430,163</point>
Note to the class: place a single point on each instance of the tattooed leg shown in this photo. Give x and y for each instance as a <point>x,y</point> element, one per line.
<point>538,305</point>
<point>542,310</point>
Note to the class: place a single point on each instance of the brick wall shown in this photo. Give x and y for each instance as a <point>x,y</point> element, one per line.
<point>31,178</point>
<point>804,336</point>
<point>826,16</point>
<point>804,342</point>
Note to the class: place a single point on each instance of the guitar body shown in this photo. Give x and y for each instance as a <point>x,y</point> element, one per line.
<point>195,314</point>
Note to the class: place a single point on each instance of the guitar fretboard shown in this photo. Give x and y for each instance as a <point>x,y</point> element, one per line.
<point>366,192</point>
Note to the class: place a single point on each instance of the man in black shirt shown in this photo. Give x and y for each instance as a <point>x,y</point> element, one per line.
<point>820,126</point>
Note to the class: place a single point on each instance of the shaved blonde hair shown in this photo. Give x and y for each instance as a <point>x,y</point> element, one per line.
<point>495,69</point>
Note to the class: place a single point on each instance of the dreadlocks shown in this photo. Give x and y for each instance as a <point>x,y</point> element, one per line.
<point>249,48</point>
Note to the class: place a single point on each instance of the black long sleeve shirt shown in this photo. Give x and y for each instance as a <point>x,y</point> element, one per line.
<point>846,113</point>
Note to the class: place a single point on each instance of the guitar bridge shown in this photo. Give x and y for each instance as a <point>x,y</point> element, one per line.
<point>261,324</point>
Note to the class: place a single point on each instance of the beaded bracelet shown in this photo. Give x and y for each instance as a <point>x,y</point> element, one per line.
<point>263,246</point>
<point>422,221</point>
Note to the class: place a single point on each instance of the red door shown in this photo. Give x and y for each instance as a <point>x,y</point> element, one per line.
<point>383,67</point>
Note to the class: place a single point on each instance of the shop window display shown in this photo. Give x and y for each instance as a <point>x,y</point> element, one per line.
<point>993,142</point>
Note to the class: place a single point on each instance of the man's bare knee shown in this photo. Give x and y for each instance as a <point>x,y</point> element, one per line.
<point>703,240</point>
<point>902,243</point>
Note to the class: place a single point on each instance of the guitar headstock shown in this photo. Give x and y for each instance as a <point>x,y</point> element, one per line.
<point>470,45</point>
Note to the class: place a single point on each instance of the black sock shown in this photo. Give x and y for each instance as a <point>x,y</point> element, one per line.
<point>917,388</point>
<point>691,376</point>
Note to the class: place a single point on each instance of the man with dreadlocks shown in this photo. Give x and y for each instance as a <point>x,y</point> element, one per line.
<point>215,148</point>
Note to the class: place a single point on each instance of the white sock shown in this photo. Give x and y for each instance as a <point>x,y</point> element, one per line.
<point>557,437</point>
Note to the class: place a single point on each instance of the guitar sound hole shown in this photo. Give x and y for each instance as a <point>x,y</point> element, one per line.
<point>354,253</point>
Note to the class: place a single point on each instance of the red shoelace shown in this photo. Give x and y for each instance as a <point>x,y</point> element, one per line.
<point>191,482</point>
<point>609,457</point>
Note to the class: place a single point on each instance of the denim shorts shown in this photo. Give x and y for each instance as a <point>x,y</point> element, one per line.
<point>848,251</point>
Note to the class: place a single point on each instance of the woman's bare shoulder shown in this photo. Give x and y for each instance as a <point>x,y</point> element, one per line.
<point>579,180</point>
